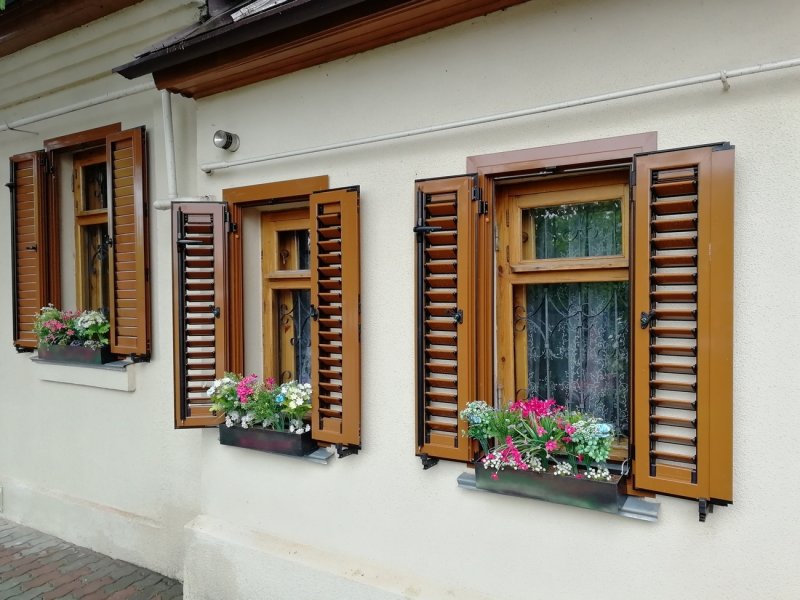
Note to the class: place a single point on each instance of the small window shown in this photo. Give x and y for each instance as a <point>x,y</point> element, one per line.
<point>285,265</point>
<point>91,229</point>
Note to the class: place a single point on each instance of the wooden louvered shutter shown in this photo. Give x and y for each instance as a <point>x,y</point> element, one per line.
<point>199,308</point>
<point>445,315</point>
<point>682,356</point>
<point>336,326</point>
<point>29,244</point>
<point>129,233</point>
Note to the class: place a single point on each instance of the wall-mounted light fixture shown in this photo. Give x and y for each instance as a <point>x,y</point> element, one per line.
<point>226,140</point>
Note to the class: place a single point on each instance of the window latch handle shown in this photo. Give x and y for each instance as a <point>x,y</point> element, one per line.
<point>645,318</point>
<point>215,311</point>
<point>32,248</point>
<point>313,312</point>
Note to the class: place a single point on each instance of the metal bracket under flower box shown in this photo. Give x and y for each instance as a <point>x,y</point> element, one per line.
<point>604,496</point>
<point>276,442</point>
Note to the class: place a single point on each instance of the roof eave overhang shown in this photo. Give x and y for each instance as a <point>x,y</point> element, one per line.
<point>303,34</point>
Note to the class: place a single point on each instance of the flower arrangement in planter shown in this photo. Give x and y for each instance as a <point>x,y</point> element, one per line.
<point>544,451</point>
<point>536,433</point>
<point>72,335</point>
<point>263,415</point>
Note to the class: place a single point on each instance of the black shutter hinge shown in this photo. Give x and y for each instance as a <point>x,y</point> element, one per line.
<point>477,196</point>
<point>457,314</point>
<point>48,166</point>
<point>645,318</point>
<point>10,185</point>
<point>230,226</point>
<point>428,461</point>
<point>343,450</point>
<point>705,507</point>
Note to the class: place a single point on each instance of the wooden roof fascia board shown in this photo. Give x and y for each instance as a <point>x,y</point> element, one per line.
<point>291,21</point>
<point>255,62</point>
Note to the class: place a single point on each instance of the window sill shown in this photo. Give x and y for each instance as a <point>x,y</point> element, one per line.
<point>118,375</point>
<point>631,507</point>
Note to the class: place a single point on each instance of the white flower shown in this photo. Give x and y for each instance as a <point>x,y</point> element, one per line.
<point>291,428</point>
<point>228,422</point>
<point>308,427</point>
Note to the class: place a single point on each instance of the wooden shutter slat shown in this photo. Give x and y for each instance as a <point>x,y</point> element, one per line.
<point>682,262</point>
<point>199,319</point>
<point>126,165</point>
<point>32,256</point>
<point>336,332</point>
<point>445,315</point>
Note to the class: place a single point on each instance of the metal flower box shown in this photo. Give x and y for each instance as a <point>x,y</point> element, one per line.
<point>582,492</point>
<point>75,354</point>
<point>267,440</point>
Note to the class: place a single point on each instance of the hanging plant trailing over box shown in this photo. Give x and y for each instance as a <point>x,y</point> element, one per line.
<point>263,415</point>
<point>72,336</point>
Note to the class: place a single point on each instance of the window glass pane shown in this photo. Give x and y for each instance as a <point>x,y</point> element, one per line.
<point>294,332</point>
<point>575,340</point>
<point>294,248</point>
<point>94,270</point>
<point>572,230</point>
<point>94,186</point>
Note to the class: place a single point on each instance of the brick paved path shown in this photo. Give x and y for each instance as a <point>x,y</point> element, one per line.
<point>36,566</point>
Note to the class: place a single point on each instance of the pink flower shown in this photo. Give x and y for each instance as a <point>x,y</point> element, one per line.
<point>270,381</point>
<point>580,457</point>
<point>494,476</point>
<point>578,476</point>
<point>245,388</point>
<point>566,439</point>
<point>540,431</point>
<point>551,445</point>
<point>536,407</point>
<point>570,429</point>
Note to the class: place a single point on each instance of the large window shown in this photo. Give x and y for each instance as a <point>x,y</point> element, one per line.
<point>562,295</point>
<point>85,195</point>
<point>598,274</point>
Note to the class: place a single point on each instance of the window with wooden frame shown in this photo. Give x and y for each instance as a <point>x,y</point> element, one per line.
<point>586,272</point>
<point>91,229</point>
<point>308,299</point>
<point>286,273</point>
<point>106,213</point>
<point>562,286</point>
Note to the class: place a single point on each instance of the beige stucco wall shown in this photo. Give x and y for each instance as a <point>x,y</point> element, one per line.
<point>106,469</point>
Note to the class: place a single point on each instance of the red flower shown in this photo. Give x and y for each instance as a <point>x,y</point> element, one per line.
<point>494,476</point>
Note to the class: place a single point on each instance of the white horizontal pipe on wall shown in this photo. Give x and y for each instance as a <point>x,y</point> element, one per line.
<point>722,76</point>
<point>142,87</point>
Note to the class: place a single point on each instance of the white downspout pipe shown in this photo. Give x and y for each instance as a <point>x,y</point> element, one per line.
<point>169,159</point>
<point>722,76</point>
